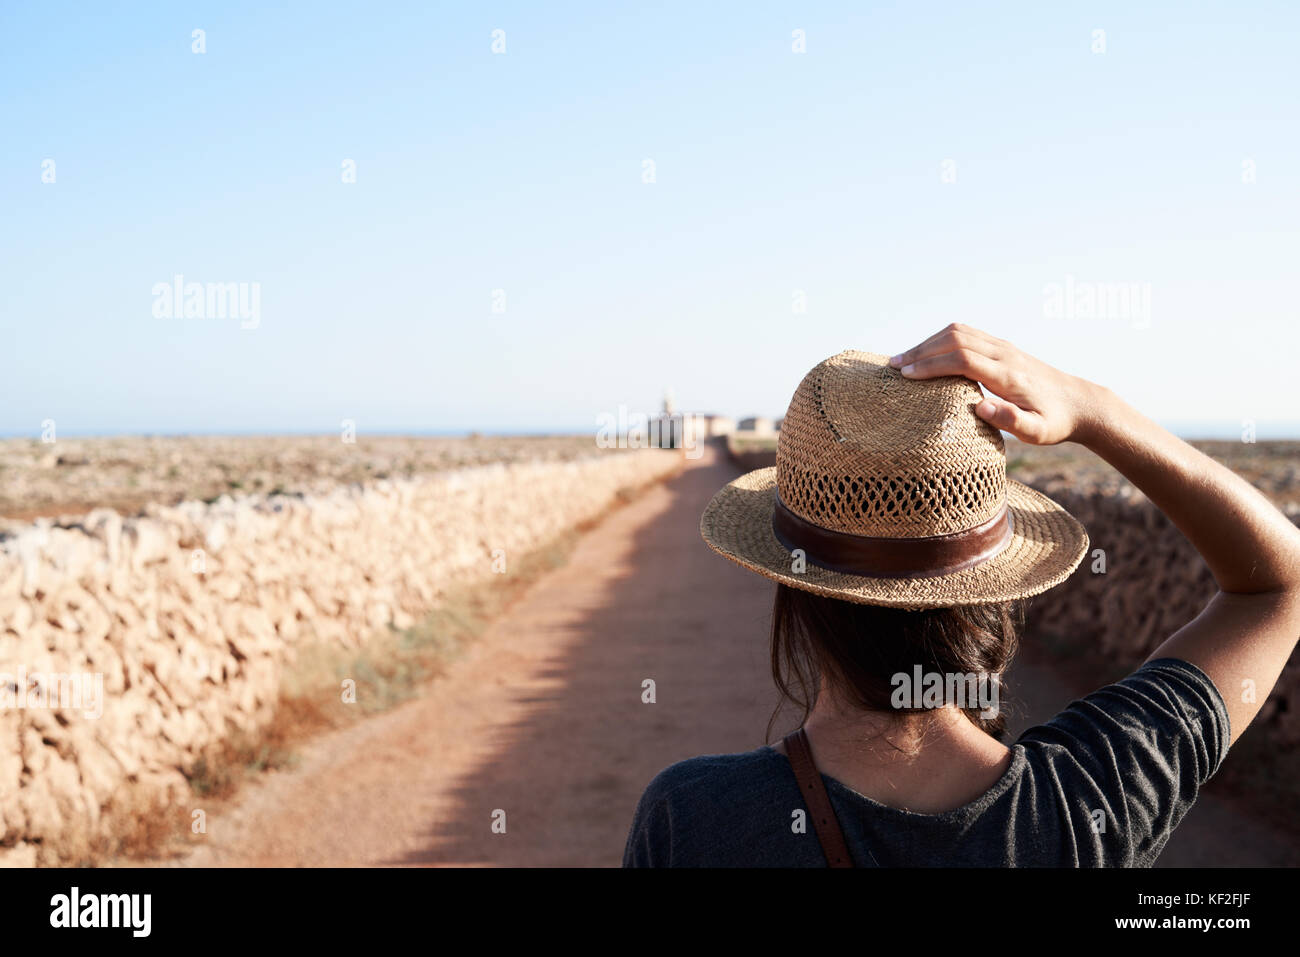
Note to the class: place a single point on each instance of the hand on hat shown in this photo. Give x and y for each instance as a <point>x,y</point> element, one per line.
<point>1034,402</point>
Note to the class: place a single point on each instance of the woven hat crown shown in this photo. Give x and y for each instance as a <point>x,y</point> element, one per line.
<point>864,451</point>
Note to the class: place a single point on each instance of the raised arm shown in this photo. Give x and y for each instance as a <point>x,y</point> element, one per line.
<point>1250,628</point>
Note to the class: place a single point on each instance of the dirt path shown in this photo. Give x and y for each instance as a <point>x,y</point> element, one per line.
<point>543,718</point>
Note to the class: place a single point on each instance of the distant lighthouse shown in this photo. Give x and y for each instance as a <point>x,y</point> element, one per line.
<point>666,427</point>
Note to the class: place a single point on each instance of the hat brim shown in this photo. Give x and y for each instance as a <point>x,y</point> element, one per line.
<point>1047,544</point>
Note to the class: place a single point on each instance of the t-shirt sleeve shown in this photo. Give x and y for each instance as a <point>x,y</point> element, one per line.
<point>1126,762</point>
<point>647,840</point>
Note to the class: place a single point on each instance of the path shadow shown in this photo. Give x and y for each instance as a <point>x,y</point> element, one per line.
<point>677,614</point>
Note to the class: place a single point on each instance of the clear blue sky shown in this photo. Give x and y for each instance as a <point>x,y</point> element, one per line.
<point>775,172</point>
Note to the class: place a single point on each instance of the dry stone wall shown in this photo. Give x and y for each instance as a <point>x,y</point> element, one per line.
<point>129,646</point>
<point>1153,583</point>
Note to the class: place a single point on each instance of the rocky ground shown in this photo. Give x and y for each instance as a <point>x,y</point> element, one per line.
<point>1273,467</point>
<point>74,475</point>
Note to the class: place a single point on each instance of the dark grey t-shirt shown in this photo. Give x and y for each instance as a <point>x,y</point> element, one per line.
<point>1102,784</point>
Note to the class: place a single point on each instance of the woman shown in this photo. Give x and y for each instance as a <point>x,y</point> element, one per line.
<point>902,556</point>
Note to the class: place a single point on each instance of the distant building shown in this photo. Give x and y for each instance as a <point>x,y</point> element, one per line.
<point>710,426</point>
<point>674,429</point>
<point>759,425</point>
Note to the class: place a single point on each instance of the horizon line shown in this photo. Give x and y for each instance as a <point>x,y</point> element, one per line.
<point>1188,431</point>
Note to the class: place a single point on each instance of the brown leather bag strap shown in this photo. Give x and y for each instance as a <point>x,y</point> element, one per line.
<point>825,824</point>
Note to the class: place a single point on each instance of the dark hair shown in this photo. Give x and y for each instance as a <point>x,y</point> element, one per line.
<point>859,648</point>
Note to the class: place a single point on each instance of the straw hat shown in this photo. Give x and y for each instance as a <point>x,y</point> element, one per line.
<point>891,491</point>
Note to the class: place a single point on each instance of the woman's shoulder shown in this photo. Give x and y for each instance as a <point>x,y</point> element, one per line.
<point>714,773</point>
<point>716,810</point>
<point>1131,757</point>
<point>1163,701</point>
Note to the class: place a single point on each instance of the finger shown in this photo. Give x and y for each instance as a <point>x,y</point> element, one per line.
<point>910,355</point>
<point>964,362</point>
<point>1026,426</point>
<point>950,333</point>
<point>955,335</point>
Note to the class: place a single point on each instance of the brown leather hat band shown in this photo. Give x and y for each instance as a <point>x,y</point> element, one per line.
<point>892,557</point>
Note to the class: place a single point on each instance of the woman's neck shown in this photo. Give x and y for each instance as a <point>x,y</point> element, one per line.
<point>927,763</point>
